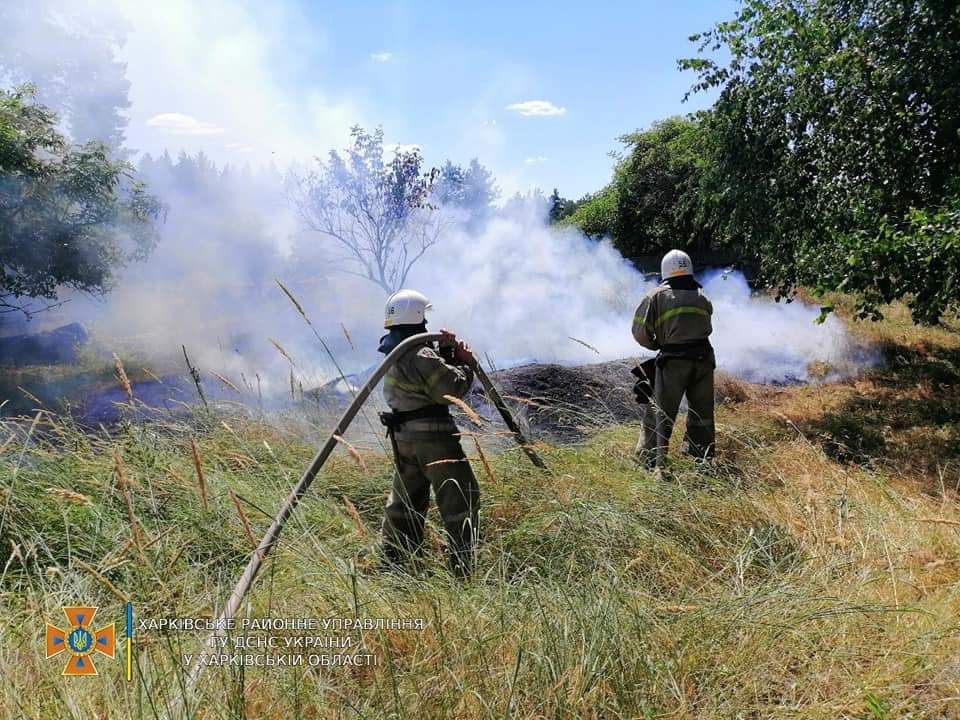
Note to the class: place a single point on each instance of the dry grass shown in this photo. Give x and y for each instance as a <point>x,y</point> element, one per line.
<point>226,382</point>
<point>69,495</point>
<point>122,378</point>
<point>731,389</point>
<point>198,469</point>
<point>352,451</point>
<point>466,409</point>
<point>244,522</point>
<point>792,581</point>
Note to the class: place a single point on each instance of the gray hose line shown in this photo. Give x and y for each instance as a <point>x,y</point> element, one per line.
<point>273,532</point>
<point>504,411</point>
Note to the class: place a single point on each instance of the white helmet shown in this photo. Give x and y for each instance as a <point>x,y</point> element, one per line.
<point>675,263</point>
<point>406,307</point>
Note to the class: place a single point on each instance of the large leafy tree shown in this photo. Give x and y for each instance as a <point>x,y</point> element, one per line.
<point>653,202</point>
<point>595,215</point>
<point>375,210</point>
<point>836,120</point>
<point>657,186</point>
<point>70,216</point>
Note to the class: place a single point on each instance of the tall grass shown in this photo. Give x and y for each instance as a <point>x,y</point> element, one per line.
<point>783,585</point>
<point>788,581</point>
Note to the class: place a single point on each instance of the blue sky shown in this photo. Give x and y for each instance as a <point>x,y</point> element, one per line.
<point>285,80</point>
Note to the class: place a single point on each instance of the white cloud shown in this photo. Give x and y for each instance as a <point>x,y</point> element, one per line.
<point>537,108</point>
<point>535,160</point>
<point>180,124</point>
<point>382,57</point>
<point>228,56</point>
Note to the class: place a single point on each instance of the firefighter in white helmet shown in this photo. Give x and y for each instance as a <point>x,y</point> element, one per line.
<point>675,320</point>
<point>425,439</point>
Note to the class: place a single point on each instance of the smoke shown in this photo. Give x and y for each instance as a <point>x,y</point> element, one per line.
<point>523,291</point>
<point>518,289</point>
<point>67,51</point>
<point>761,340</point>
<point>210,283</point>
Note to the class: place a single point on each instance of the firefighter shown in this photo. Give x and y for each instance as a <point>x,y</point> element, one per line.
<point>675,320</point>
<point>425,439</point>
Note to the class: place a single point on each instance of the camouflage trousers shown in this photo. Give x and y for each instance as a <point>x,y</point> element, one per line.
<point>677,377</point>
<point>428,454</point>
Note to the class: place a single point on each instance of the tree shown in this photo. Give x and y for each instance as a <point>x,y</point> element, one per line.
<point>596,214</point>
<point>531,202</point>
<point>918,258</point>
<point>479,189</point>
<point>69,215</point>
<point>471,189</point>
<point>68,54</point>
<point>560,207</point>
<point>836,120</point>
<point>657,189</point>
<point>376,211</point>
<point>449,187</point>
<point>654,201</point>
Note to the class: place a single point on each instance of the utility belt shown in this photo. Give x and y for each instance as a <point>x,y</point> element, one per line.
<point>695,350</point>
<point>394,419</point>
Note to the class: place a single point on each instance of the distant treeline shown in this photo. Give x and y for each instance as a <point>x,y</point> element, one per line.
<point>830,159</point>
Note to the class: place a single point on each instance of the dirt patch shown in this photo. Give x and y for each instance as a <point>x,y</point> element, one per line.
<point>566,403</point>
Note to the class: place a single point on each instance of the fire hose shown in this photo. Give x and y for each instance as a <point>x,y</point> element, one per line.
<point>273,532</point>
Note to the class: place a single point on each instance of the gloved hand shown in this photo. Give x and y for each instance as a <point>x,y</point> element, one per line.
<point>643,387</point>
<point>456,349</point>
<point>464,353</point>
<point>642,391</point>
<point>448,339</point>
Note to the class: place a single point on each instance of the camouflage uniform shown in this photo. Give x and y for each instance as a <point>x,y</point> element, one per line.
<point>428,453</point>
<point>677,323</point>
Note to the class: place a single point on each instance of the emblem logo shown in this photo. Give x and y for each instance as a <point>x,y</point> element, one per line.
<point>80,641</point>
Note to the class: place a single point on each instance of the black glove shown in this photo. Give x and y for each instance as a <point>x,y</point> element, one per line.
<point>643,387</point>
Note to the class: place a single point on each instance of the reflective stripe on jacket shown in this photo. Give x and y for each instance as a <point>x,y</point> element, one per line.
<point>672,317</point>
<point>422,377</point>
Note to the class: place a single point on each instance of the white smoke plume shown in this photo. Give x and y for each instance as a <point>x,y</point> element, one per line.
<point>524,291</point>
<point>517,289</point>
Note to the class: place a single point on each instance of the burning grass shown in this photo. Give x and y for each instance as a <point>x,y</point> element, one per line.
<point>793,580</point>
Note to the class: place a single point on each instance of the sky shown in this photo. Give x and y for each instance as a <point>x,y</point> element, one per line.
<point>538,91</point>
